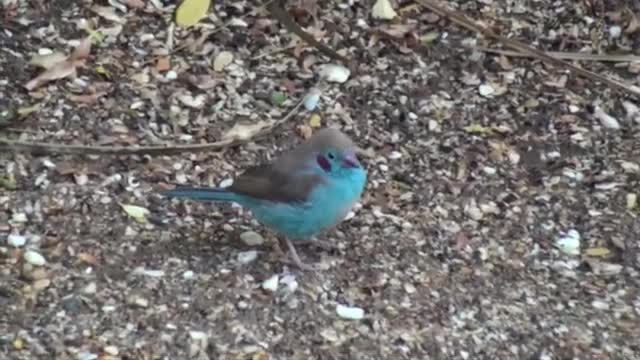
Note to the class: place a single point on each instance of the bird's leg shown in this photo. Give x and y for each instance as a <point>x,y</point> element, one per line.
<point>322,244</point>
<point>296,259</point>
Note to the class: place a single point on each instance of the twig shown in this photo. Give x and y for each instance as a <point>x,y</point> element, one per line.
<point>51,148</point>
<point>566,55</point>
<point>276,8</point>
<point>523,48</point>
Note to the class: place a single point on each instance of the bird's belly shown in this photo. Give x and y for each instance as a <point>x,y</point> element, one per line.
<point>298,221</point>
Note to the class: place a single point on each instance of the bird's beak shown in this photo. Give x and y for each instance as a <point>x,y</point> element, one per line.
<point>350,161</point>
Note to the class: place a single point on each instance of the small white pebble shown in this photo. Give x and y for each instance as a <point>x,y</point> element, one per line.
<point>349,312</point>
<point>312,99</point>
<point>290,283</point>
<point>384,167</point>
<point>226,183</point>
<point>19,217</point>
<point>16,240</point>
<point>171,75</point>
<point>569,243</point>
<point>394,155</point>
<point>111,350</point>
<point>615,31</point>
<point>335,73</point>
<point>600,305</point>
<point>271,284</point>
<point>34,258</point>
<point>188,275</point>
<point>247,257</point>
<point>486,90</point>
<point>606,120</point>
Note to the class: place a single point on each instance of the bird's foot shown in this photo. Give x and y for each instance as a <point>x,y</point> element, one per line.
<point>322,244</point>
<point>295,259</point>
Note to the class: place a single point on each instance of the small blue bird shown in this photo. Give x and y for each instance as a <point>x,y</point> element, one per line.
<point>301,193</point>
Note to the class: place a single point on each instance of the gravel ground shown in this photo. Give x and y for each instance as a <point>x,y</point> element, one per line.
<point>478,163</point>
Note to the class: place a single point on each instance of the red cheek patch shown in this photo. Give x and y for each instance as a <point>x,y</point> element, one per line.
<point>324,163</point>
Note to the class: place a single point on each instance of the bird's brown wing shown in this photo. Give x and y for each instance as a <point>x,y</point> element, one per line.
<point>273,183</point>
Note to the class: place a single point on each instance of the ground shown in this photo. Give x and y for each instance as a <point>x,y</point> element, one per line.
<point>478,164</point>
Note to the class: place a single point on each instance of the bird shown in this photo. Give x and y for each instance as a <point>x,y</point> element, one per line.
<point>301,193</point>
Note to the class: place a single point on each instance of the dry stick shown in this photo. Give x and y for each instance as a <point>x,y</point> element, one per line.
<point>531,51</point>
<point>51,148</point>
<point>565,55</point>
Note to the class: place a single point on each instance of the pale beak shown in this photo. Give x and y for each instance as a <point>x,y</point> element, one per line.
<point>350,161</point>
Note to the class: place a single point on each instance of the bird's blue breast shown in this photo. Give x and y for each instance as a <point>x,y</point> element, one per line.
<point>326,205</point>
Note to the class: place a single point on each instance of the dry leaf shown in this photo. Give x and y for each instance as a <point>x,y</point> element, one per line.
<point>64,68</point>
<point>315,121</point>
<point>222,60</point>
<point>47,61</point>
<point>246,131</point>
<point>383,10</point>
<point>138,213</point>
<point>163,63</point>
<point>597,252</point>
<point>190,12</point>
<point>58,71</point>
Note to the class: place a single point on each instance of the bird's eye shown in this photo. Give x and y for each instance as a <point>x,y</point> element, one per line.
<point>330,155</point>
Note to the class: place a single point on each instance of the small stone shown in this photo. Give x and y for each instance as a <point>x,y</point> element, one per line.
<point>90,288</point>
<point>138,300</point>
<point>41,284</point>
<point>409,288</point>
<point>19,217</point>
<point>290,283</point>
<point>486,90</point>
<point>247,257</point>
<point>271,284</point>
<point>251,238</point>
<point>111,350</point>
<point>16,240</point>
<point>474,213</point>
<point>394,155</point>
<point>615,31</point>
<point>188,275</point>
<point>34,258</point>
<point>349,312</point>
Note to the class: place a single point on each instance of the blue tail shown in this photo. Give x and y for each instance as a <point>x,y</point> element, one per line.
<point>203,194</point>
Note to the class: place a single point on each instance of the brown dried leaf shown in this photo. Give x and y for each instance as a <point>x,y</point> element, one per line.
<point>64,68</point>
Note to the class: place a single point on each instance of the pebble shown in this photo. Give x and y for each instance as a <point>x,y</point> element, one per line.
<point>111,350</point>
<point>34,258</point>
<point>335,73</point>
<point>311,99</point>
<point>251,238</point>
<point>290,283</point>
<point>394,155</point>
<point>349,312</point>
<point>41,284</point>
<point>19,217</point>
<point>486,90</point>
<point>90,288</point>
<point>16,240</point>
<point>271,284</point>
<point>247,257</point>
<point>188,275</point>
<point>138,300</point>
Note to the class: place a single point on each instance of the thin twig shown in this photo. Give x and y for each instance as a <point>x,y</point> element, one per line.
<point>526,49</point>
<point>566,55</point>
<point>52,148</point>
